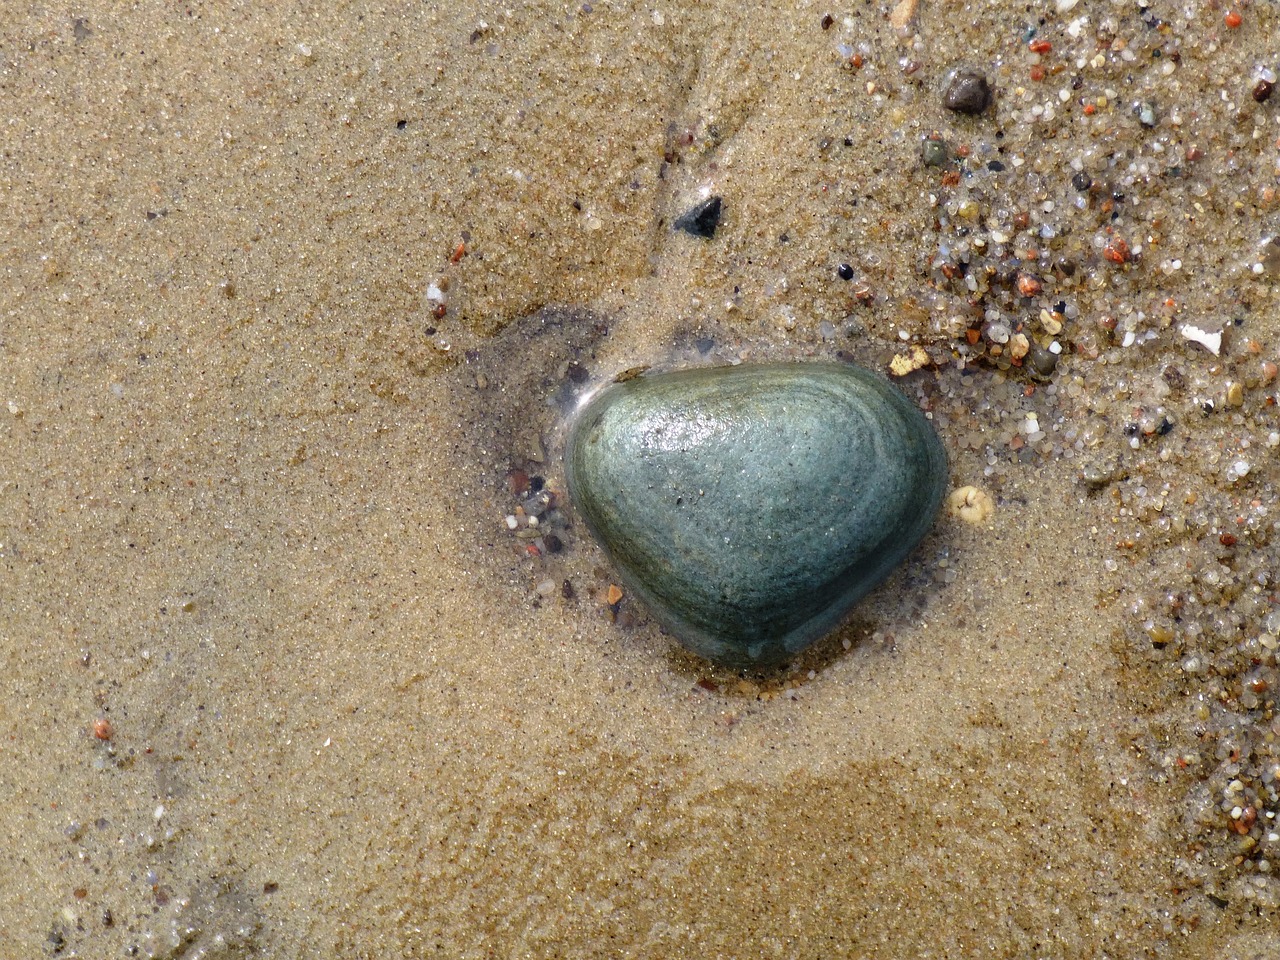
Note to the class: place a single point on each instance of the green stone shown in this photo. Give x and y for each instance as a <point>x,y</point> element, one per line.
<point>750,507</point>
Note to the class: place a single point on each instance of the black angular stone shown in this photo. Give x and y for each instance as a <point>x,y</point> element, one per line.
<point>702,220</point>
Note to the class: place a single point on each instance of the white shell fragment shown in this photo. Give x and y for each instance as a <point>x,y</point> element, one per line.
<point>971,505</point>
<point>1210,341</point>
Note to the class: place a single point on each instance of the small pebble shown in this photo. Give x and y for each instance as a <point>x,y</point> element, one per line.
<point>1262,91</point>
<point>701,220</point>
<point>934,152</point>
<point>1041,362</point>
<point>967,92</point>
<point>1028,285</point>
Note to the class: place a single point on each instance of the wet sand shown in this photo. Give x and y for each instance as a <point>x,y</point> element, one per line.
<point>280,680</point>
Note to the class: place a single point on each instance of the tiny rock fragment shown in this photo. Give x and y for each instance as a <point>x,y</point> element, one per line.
<point>436,299</point>
<point>934,152</point>
<point>1018,346</point>
<point>1117,250</point>
<point>102,729</point>
<point>701,220</point>
<point>1210,341</point>
<point>967,92</point>
<point>908,362</point>
<point>630,373</point>
<point>903,15</point>
<point>1028,285</point>
<point>517,481</point>
<point>614,594</point>
<point>971,505</point>
<point>1041,362</point>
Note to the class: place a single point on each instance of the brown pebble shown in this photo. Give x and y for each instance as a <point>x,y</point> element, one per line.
<point>1262,90</point>
<point>102,729</point>
<point>967,92</point>
<point>827,21</point>
<point>517,482</point>
<point>614,594</point>
<point>554,543</point>
<point>567,591</point>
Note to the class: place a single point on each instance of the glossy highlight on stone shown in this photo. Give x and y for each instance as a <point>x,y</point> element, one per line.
<point>750,507</point>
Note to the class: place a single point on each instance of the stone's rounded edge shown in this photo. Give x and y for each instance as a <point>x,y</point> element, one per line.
<point>930,470</point>
<point>932,474</point>
<point>587,420</point>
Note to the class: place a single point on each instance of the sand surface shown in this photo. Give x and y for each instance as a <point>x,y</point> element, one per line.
<point>279,680</point>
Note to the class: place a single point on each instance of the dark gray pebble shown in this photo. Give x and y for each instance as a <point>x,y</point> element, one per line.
<point>935,152</point>
<point>702,220</point>
<point>1040,362</point>
<point>967,92</point>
